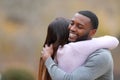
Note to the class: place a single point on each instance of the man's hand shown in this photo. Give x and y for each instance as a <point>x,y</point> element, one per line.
<point>47,52</point>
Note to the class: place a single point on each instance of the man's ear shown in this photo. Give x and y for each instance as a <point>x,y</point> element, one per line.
<point>92,32</point>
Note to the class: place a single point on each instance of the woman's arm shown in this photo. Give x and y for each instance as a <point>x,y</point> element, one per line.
<point>81,50</point>
<point>108,42</point>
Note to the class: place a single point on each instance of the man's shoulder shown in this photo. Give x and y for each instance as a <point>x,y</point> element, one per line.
<point>101,57</point>
<point>102,50</point>
<point>101,54</point>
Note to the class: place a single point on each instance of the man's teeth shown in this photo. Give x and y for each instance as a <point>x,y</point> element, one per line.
<point>72,35</point>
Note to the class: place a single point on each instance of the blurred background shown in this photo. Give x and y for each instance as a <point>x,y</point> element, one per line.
<point>23,26</point>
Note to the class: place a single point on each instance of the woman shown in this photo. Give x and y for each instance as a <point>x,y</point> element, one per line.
<point>57,35</point>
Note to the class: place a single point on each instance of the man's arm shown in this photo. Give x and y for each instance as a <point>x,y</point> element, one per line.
<point>96,65</point>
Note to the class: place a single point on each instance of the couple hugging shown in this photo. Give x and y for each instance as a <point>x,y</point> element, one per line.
<point>71,53</point>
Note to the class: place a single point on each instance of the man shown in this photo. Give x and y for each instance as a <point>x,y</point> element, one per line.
<point>98,66</point>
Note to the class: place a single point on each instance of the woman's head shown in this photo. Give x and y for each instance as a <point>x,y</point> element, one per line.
<point>58,32</point>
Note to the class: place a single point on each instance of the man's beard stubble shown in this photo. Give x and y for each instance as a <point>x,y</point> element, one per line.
<point>84,37</point>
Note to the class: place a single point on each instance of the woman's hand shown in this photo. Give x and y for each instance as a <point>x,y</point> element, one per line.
<point>47,52</point>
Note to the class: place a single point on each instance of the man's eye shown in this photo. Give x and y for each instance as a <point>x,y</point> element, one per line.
<point>71,23</point>
<point>80,26</point>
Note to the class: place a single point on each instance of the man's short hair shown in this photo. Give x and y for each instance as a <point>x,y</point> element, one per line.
<point>92,17</point>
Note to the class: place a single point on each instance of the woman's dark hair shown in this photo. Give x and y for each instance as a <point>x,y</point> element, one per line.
<point>57,34</point>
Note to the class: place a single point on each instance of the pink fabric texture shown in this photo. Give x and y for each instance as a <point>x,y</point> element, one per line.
<point>74,54</point>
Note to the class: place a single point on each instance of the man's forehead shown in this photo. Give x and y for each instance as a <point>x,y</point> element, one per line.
<point>76,14</point>
<point>80,15</point>
<point>80,18</point>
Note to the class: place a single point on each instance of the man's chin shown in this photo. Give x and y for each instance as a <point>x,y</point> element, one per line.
<point>71,40</point>
<point>75,40</point>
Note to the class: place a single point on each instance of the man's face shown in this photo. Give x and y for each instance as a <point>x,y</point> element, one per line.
<point>80,28</point>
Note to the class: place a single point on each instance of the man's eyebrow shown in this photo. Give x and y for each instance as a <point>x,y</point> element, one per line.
<point>82,24</point>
